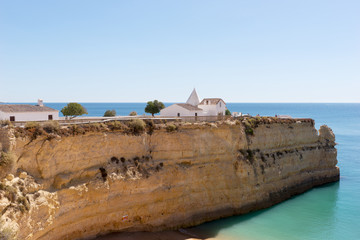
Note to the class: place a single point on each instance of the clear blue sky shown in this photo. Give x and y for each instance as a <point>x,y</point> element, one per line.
<point>135,51</point>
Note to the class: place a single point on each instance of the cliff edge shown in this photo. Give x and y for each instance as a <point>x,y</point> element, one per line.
<point>72,184</point>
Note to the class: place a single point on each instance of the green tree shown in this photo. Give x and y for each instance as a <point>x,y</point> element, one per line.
<point>154,107</point>
<point>73,110</point>
<point>227,112</point>
<point>110,113</point>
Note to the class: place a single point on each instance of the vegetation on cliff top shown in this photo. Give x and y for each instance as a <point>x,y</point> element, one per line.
<point>110,113</point>
<point>250,123</point>
<point>52,129</point>
<point>4,123</point>
<point>137,126</point>
<point>133,113</point>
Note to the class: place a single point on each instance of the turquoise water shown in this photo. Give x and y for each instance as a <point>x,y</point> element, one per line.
<point>328,212</point>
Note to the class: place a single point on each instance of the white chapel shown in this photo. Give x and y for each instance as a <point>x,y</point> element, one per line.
<point>193,107</point>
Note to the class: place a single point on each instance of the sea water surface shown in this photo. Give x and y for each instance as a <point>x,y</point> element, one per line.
<point>328,212</point>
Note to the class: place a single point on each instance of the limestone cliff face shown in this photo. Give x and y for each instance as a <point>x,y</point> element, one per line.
<point>80,186</point>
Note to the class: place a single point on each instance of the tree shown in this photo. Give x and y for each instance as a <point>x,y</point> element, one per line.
<point>73,110</point>
<point>110,113</point>
<point>154,107</point>
<point>227,112</point>
<point>133,113</point>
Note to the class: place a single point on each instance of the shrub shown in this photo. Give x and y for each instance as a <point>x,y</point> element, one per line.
<point>30,125</point>
<point>77,129</point>
<point>250,124</point>
<point>115,125</point>
<point>133,113</point>
<point>6,159</point>
<point>4,123</point>
<point>6,234</point>
<point>23,204</point>
<point>248,128</point>
<point>7,162</point>
<point>10,193</point>
<point>249,131</point>
<point>51,127</point>
<point>94,126</point>
<point>253,122</point>
<point>227,112</point>
<point>110,113</point>
<point>137,126</point>
<point>33,129</point>
<point>171,128</point>
<point>150,126</point>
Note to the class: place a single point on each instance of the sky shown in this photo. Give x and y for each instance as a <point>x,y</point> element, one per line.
<point>140,50</point>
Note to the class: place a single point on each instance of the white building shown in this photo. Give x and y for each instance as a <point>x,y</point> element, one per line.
<point>193,107</point>
<point>213,106</point>
<point>27,112</point>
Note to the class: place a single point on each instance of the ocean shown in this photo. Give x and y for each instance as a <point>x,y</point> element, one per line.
<point>330,212</point>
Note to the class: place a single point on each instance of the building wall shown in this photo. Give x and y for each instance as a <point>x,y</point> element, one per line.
<point>209,110</point>
<point>173,110</point>
<point>221,107</point>
<point>2,116</point>
<point>213,110</point>
<point>29,116</point>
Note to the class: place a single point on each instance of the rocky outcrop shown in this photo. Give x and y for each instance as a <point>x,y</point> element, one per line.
<point>82,185</point>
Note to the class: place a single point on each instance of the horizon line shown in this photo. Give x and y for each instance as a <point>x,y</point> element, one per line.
<point>180,102</point>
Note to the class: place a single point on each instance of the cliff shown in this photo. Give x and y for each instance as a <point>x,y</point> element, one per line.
<point>79,185</point>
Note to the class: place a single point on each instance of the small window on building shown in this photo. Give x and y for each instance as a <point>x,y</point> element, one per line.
<point>178,114</point>
<point>12,118</point>
<point>50,117</point>
<point>207,102</point>
<point>220,104</point>
<point>195,114</point>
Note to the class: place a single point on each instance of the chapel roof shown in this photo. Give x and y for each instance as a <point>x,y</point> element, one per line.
<point>211,101</point>
<point>188,106</point>
<point>24,108</point>
<point>193,99</point>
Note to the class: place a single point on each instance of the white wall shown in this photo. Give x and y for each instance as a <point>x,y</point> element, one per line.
<point>221,107</point>
<point>2,116</point>
<point>213,110</point>
<point>173,110</point>
<point>29,116</point>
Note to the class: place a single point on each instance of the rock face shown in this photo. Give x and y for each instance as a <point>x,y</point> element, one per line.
<point>80,186</point>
